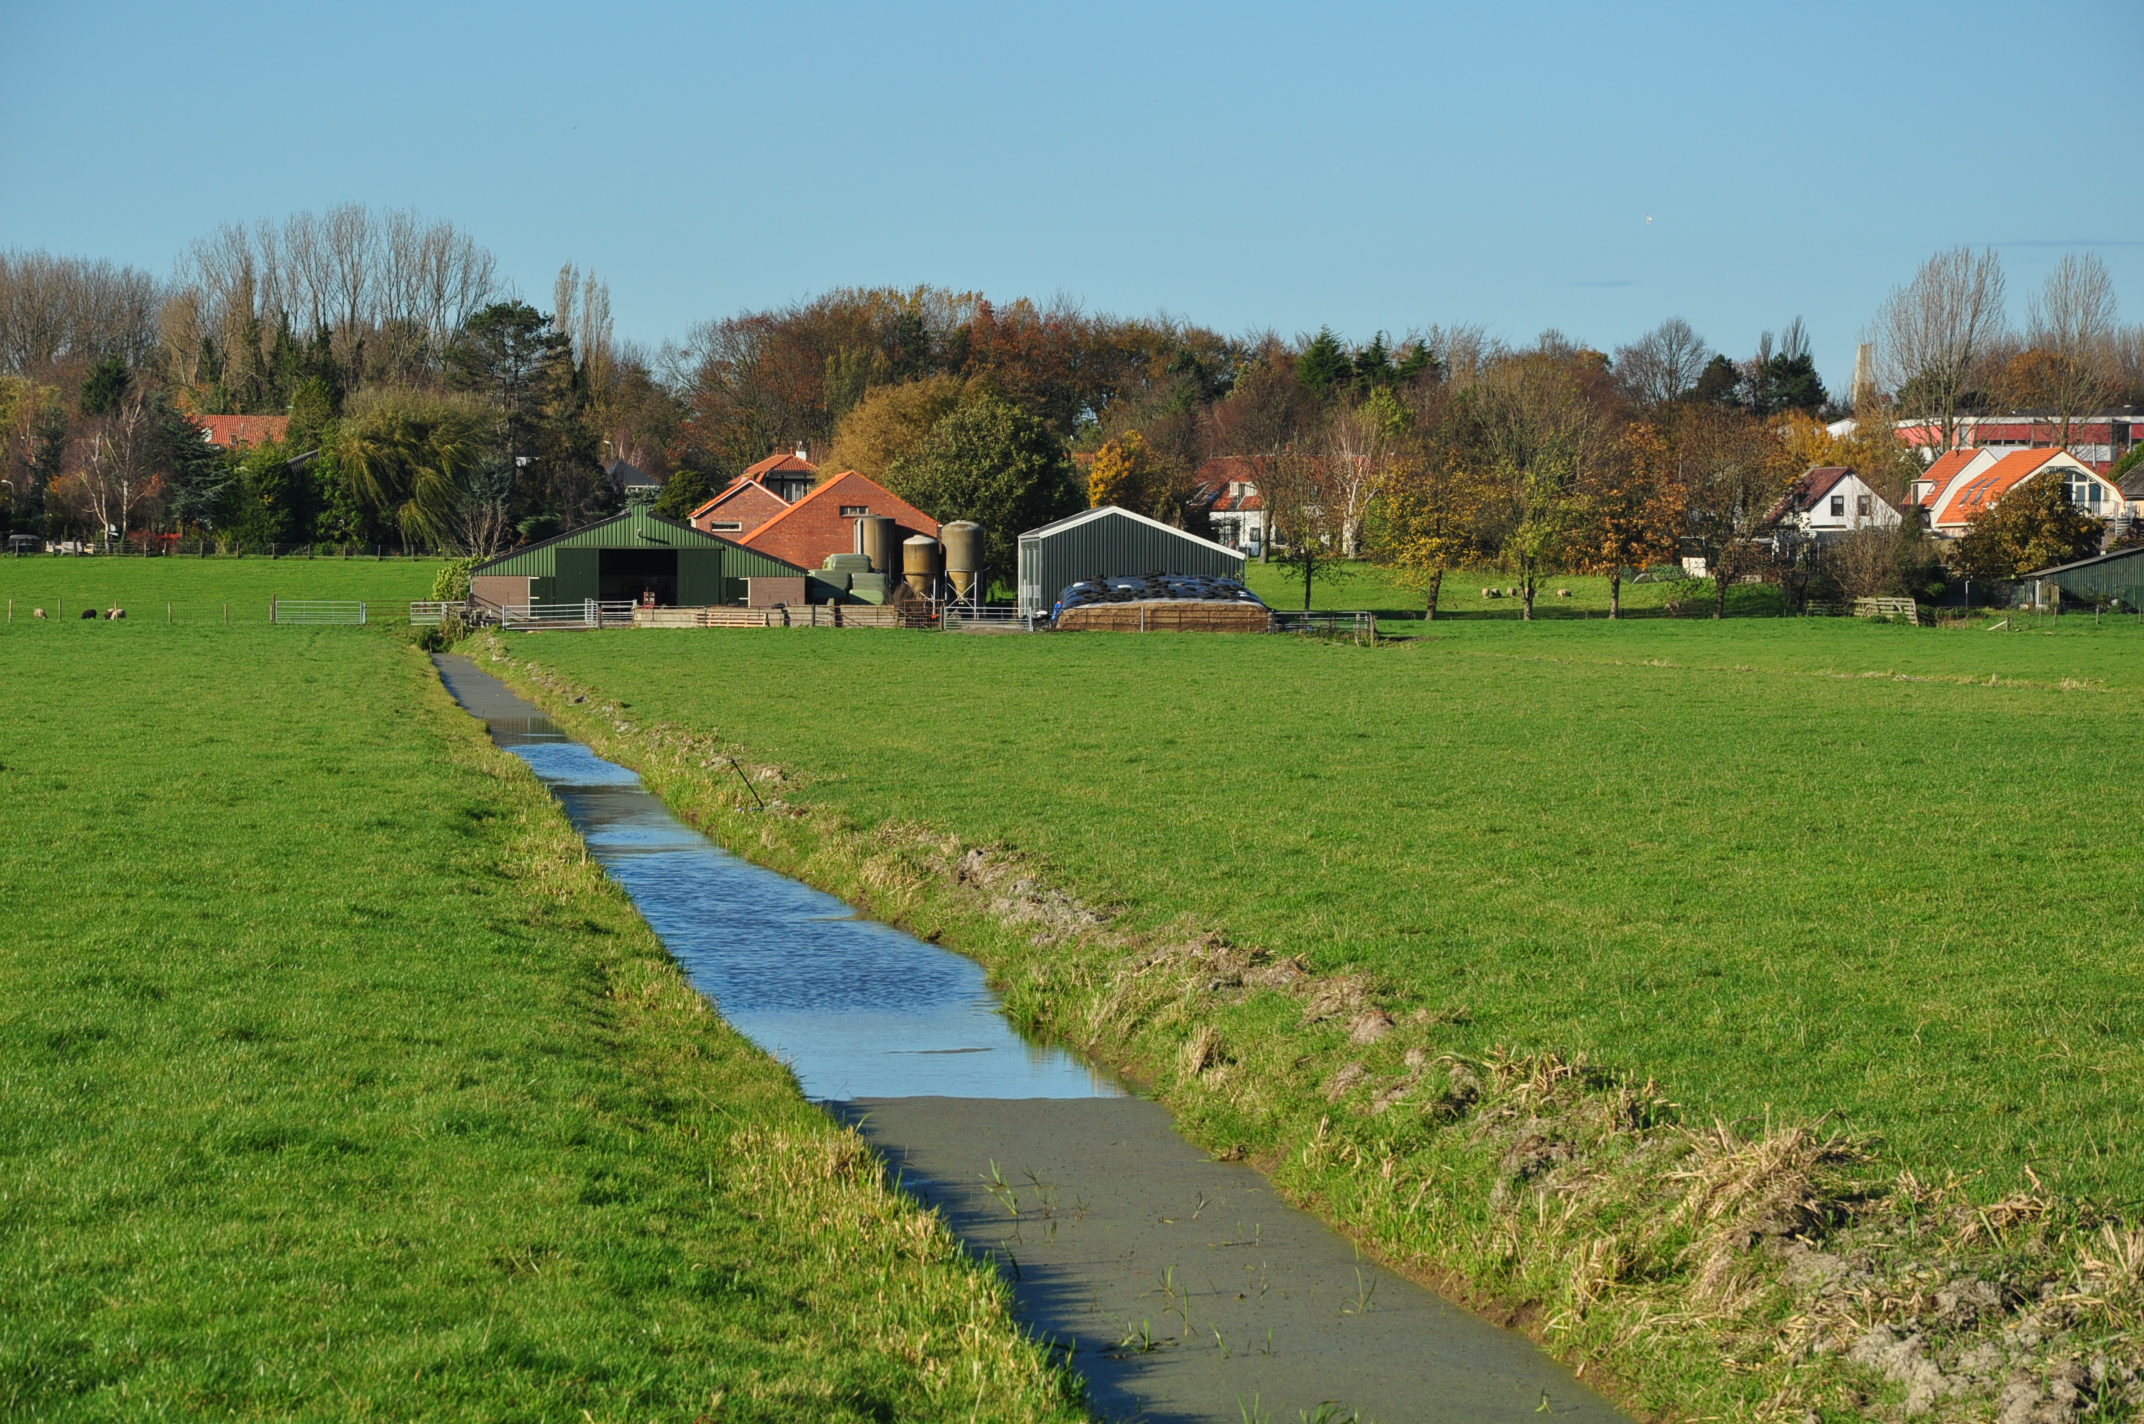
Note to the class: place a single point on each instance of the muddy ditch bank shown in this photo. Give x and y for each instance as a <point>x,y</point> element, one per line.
<point>1702,1269</point>
<point>1180,1288</point>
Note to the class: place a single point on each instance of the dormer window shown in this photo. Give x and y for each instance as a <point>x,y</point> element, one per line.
<point>855,511</point>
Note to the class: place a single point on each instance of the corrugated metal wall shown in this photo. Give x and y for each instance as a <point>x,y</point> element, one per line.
<point>1109,545</point>
<point>2117,577</point>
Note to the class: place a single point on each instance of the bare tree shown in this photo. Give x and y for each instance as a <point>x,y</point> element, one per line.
<point>2072,325</point>
<point>1359,445</point>
<point>389,289</point>
<point>69,312</point>
<point>1930,334</point>
<point>1463,351</point>
<point>116,473</point>
<point>1663,365</point>
<point>1302,509</point>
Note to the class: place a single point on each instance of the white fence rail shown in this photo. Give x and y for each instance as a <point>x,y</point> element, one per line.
<point>996,615</point>
<point>588,614</point>
<point>427,614</point>
<point>342,612</point>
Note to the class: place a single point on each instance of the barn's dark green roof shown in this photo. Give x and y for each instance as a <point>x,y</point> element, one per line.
<point>634,528</point>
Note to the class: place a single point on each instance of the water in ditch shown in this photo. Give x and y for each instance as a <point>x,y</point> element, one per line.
<point>1182,1289</point>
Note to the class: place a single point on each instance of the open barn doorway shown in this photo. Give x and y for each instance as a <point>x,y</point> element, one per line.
<point>639,576</point>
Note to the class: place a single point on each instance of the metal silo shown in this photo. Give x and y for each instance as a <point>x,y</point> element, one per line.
<point>880,538</point>
<point>963,557</point>
<point>919,564</point>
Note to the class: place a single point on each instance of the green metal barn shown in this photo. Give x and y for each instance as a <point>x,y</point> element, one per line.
<point>2119,575</point>
<point>621,559</point>
<point>1105,542</point>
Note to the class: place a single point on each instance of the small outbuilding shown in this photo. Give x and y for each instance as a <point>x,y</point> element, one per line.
<point>626,558</point>
<point>1100,543</point>
<point>2103,578</point>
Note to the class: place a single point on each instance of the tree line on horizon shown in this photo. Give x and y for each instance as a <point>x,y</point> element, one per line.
<point>430,407</point>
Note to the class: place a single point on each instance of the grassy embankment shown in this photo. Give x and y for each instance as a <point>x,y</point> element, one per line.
<point>336,1083</point>
<point>1861,893</point>
<point>202,591</point>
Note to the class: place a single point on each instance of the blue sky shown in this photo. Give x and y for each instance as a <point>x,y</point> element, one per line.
<point>1365,166</point>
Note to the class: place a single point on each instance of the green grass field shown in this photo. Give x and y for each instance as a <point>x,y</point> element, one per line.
<point>203,591</point>
<point>335,1083</point>
<point>1812,869</point>
<point>1352,585</point>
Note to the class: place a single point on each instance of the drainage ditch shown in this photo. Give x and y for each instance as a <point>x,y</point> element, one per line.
<point>1182,1289</point>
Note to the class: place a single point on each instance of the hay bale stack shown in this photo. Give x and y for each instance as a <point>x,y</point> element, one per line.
<point>1166,615</point>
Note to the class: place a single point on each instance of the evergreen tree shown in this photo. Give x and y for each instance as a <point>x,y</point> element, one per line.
<point>682,493</point>
<point>1324,363</point>
<point>1720,383</point>
<point>105,386</point>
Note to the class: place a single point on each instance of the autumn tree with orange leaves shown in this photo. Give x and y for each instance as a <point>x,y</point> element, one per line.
<point>1630,509</point>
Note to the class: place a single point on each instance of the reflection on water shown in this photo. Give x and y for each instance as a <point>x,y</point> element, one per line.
<point>856,1008</point>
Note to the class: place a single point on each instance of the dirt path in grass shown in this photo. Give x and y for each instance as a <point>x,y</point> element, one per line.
<point>1184,1289</point>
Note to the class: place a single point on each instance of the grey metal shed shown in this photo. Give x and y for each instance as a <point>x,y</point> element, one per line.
<point>1099,543</point>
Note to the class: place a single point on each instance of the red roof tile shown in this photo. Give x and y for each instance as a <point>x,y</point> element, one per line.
<point>807,531</point>
<point>234,432</point>
<point>782,462</point>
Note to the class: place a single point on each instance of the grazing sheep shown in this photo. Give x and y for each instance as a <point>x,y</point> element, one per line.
<point>89,613</point>
<point>1563,593</point>
<point>42,614</point>
<point>115,613</point>
<point>1511,593</point>
<point>1485,593</point>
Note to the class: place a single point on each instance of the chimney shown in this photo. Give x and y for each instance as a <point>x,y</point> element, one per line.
<point>803,451</point>
<point>1864,376</point>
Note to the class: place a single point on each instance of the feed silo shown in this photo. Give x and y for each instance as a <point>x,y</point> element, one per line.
<point>963,558</point>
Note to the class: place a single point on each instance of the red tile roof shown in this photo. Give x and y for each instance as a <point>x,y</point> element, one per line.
<point>807,531</point>
<point>782,462</point>
<point>754,501</point>
<point>1802,495</point>
<point>233,432</point>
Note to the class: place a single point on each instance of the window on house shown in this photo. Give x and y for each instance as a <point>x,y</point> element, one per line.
<point>1838,506</point>
<point>855,511</point>
<point>2084,491</point>
<point>1863,506</point>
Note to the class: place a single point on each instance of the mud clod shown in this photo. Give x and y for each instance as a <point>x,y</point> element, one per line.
<point>1370,1026</point>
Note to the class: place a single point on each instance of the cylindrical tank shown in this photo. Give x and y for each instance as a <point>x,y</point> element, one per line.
<point>919,564</point>
<point>963,555</point>
<point>879,537</point>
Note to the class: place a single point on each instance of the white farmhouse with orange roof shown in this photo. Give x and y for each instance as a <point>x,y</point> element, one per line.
<point>1963,484</point>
